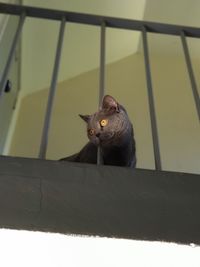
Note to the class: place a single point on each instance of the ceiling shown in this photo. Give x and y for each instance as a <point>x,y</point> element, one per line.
<point>180,12</point>
<point>81,43</point>
<point>185,12</point>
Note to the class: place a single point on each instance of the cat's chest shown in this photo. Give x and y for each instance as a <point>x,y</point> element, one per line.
<point>115,156</point>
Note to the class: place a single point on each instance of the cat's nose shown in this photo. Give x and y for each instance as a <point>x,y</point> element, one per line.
<point>98,135</point>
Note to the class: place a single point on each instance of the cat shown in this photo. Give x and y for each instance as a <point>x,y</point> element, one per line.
<point>111,130</point>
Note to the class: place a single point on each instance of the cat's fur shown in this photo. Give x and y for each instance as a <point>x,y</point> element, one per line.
<point>116,138</point>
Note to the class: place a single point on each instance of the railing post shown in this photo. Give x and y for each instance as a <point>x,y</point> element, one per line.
<point>151,102</point>
<point>45,133</point>
<point>11,54</point>
<point>102,62</point>
<point>190,72</point>
<point>102,77</point>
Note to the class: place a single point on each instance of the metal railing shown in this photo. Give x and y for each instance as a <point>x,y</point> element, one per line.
<point>103,22</point>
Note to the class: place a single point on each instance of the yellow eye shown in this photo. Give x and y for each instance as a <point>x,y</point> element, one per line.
<point>91,132</point>
<point>103,122</point>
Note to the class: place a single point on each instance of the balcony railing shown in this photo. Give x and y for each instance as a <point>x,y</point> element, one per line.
<point>110,201</point>
<point>103,22</point>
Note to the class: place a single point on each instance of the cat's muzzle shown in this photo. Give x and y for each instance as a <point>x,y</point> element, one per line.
<point>103,139</point>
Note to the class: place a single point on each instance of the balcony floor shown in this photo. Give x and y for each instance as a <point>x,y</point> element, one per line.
<point>73,198</point>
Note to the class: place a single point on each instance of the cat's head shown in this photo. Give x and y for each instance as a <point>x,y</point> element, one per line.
<point>108,125</point>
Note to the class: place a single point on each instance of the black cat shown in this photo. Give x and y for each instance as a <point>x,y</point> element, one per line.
<point>111,130</point>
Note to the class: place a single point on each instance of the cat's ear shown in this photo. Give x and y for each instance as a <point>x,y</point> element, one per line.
<point>86,118</point>
<point>109,103</point>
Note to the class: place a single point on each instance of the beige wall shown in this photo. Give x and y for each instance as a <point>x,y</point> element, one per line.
<point>178,124</point>
<point>81,42</point>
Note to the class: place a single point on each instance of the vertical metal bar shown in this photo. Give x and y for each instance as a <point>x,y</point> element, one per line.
<point>151,102</point>
<point>102,77</point>
<point>102,62</point>
<point>45,133</point>
<point>11,54</point>
<point>99,156</point>
<point>190,72</point>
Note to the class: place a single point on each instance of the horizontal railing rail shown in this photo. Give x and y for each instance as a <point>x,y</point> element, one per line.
<point>103,22</point>
<point>128,24</point>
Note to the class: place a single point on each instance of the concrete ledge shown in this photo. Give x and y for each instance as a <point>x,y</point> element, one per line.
<point>75,198</point>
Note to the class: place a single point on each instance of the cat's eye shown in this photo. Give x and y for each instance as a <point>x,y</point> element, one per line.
<point>91,132</point>
<point>103,122</point>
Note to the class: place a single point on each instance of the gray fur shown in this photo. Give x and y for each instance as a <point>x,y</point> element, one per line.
<point>116,139</point>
